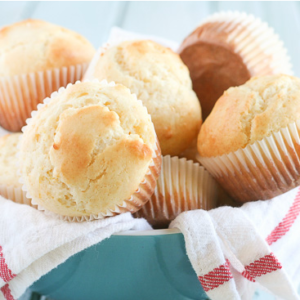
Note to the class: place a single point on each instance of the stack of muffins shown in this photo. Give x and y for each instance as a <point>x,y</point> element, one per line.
<point>93,149</point>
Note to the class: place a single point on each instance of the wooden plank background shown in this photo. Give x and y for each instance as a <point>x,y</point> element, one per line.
<point>171,20</point>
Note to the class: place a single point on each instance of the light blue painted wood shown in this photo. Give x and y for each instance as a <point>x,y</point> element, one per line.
<point>250,7</point>
<point>169,20</point>
<point>172,20</point>
<point>91,19</point>
<point>283,16</point>
<point>11,11</point>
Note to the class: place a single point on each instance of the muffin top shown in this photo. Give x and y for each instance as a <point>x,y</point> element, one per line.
<point>34,45</point>
<point>250,112</point>
<point>8,161</point>
<point>159,78</point>
<point>87,150</point>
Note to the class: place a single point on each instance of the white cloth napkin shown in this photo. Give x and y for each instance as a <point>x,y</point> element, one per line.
<point>235,250</point>
<point>32,243</point>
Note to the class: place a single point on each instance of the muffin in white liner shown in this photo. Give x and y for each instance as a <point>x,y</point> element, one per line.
<point>20,94</point>
<point>182,185</point>
<point>250,142</point>
<point>150,160</point>
<point>160,80</point>
<point>262,170</point>
<point>37,58</point>
<point>226,50</point>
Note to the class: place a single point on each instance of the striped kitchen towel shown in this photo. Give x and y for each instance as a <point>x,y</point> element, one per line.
<point>236,250</point>
<point>33,243</point>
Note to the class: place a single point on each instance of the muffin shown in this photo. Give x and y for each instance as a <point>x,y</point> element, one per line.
<point>159,78</point>
<point>250,141</point>
<point>90,152</point>
<point>226,50</point>
<point>10,187</point>
<point>182,185</point>
<point>36,58</point>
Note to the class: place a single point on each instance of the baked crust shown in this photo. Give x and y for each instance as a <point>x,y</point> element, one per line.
<point>88,150</point>
<point>250,112</point>
<point>159,78</point>
<point>34,45</point>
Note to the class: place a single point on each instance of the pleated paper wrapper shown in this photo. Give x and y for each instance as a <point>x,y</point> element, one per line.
<point>15,194</point>
<point>182,185</point>
<point>260,48</point>
<point>262,170</point>
<point>20,94</point>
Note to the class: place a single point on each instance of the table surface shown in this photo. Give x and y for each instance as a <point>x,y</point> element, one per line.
<point>171,20</point>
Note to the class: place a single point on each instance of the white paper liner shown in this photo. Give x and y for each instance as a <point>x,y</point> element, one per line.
<point>191,153</point>
<point>135,202</point>
<point>262,170</point>
<point>182,185</point>
<point>20,95</point>
<point>15,194</point>
<point>260,48</point>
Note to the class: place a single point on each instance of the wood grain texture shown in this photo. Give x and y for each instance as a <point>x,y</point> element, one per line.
<point>172,20</point>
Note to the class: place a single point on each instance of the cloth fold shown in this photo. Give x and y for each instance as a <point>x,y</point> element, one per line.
<point>235,250</point>
<point>33,243</point>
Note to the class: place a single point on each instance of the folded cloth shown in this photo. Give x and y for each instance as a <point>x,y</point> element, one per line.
<point>236,250</point>
<point>32,243</point>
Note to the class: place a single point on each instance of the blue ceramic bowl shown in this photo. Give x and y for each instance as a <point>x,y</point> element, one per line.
<point>134,265</point>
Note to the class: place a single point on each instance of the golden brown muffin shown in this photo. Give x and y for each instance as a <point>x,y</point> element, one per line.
<point>90,152</point>
<point>250,141</point>
<point>32,45</point>
<point>159,78</point>
<point>36,59</point>
<point>249,113</point>
<point>226,50</point>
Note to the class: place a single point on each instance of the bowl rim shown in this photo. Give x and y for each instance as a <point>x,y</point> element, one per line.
<point>148,232</point>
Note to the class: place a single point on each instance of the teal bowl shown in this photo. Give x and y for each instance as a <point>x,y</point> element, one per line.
<point>134,265</point>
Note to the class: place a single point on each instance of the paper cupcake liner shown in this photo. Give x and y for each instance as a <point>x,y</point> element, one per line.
<point>134,203</point>
<point>262,170</point>
<point>182,185</point>
<point>260,48</point>
<point>15,194</point>
<point>191,153</point>
<point>20,95</point>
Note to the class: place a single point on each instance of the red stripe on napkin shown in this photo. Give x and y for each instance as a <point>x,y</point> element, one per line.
<point>5,273</point>
<point>262,266</point>
<point>284,226</point>
<point>7,293</point>
<point>216,277</point>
